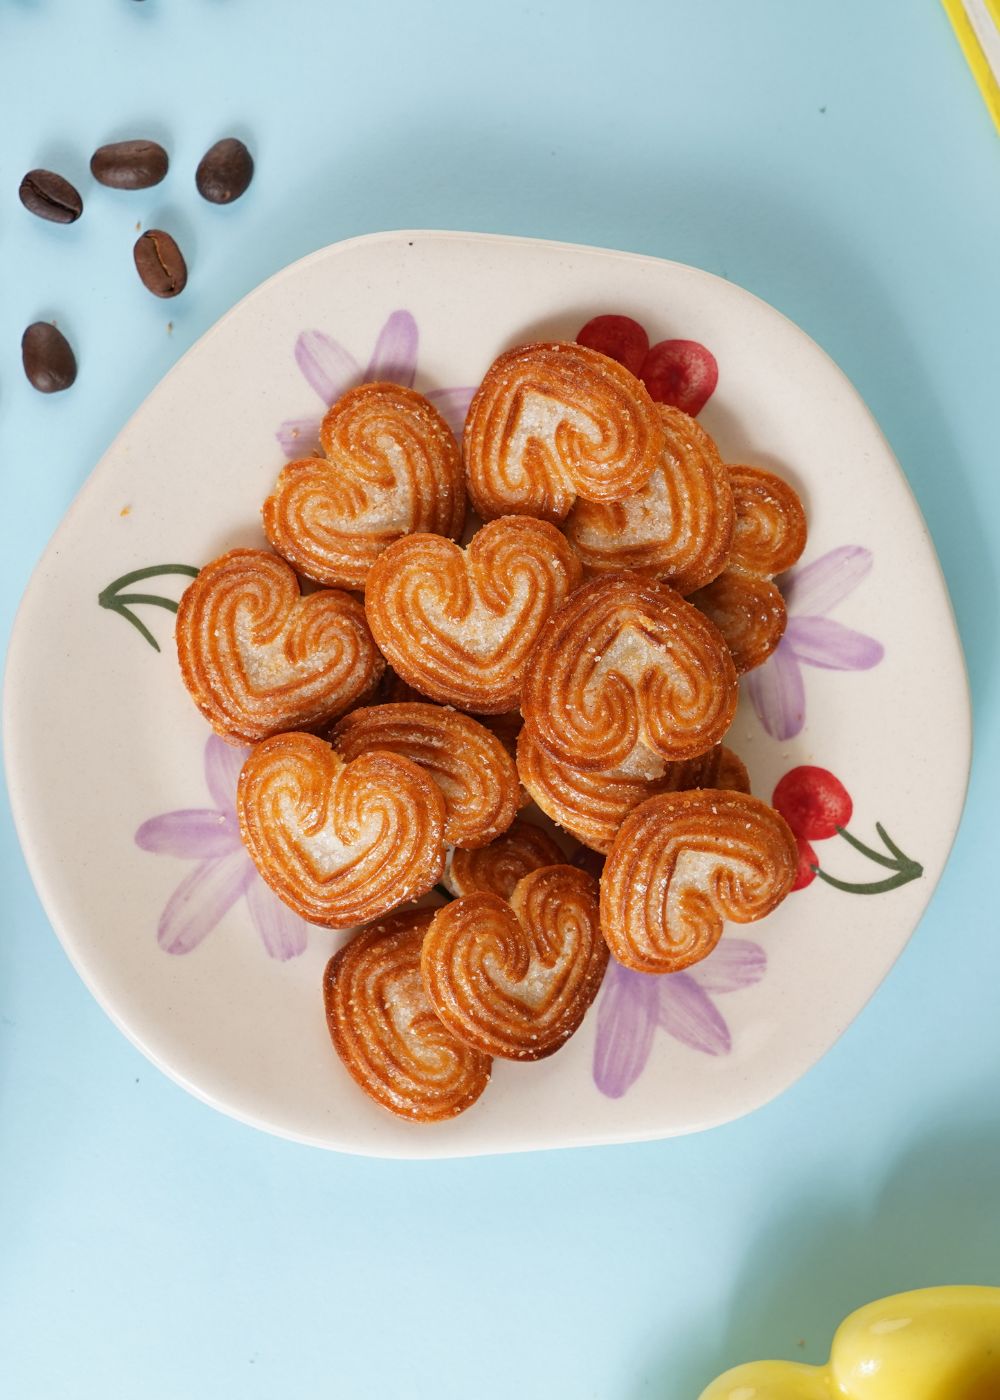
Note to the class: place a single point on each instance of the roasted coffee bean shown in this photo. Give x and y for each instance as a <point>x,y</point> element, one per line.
<point>224,171</point>
<point>129,165</point>
<point>160,263</point>
<point>48,195</point>
<point>48,358</point>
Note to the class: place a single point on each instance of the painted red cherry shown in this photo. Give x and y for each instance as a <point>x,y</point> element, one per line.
<point>618,337</point>
<point>805,874</point>
<point>682,373</point>
<point>813,802</point>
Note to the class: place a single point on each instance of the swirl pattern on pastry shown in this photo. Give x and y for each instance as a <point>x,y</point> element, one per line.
<point>258,658</point>
<point>626,667</point>
<point>515,979</point>
<point>749,612</point>
<point>770,532</point>
<point>469,764</point>
<point>769,537</point>
<point>497,868</point>
<point>681,864</point>
<point>340,842</point>
<point>592,805</point>
<point>677,528</point>
<point>392,468</point>
<point>552,421</point>
<point>459,625</point>
<point>385,1030</point>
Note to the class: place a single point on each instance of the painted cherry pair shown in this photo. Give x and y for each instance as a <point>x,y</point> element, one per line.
<point>678,372</point>
<point>816,805</point>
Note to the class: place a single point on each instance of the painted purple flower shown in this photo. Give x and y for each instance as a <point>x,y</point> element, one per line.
<point>633,1004</point>
<point>776,689</point>
<point>224,872</point>
<point>331,371</point>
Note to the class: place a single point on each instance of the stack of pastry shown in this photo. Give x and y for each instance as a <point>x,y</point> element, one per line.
<point>580,651</point>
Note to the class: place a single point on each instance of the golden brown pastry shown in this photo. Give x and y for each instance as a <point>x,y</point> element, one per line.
<point>496,868</point>
<point>769,537</point>
<point>677,528</point>
<point>384,1028</point>
<point>592,805</point>
<point>732,772</point>
<point>770,532</point>
<point>749,612</point>
<point>459,625</point>
<point>392,468</point>
<point>506,727</point>
<point>682,863</point>
<point>515,979</point>
<point>627,671</point>
<point>552,421</point>
<point>469,764</point>
<point>258,658</point>
<point>340,842</point>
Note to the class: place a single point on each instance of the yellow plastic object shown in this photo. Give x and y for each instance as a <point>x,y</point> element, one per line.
<point>977,26</point>
<point>934,1344</point>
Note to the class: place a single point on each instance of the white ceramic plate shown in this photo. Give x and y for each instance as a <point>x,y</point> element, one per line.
<point>101,737</point>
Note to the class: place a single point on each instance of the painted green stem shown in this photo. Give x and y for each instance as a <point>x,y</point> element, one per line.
<point>116,601</point>
<point>903,867</point>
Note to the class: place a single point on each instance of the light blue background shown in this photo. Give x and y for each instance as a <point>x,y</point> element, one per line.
<point>835,159</point>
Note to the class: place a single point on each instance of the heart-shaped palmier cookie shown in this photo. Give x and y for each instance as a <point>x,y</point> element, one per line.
<point>592,805</point>
<point>497,868</point>
<point>259,658</point>
<point>681,864</point>
<point>678,527</point>
<point>469,764</point>
<point>459,625</point>
<point>392,467</point>
<point>340,842</point>
<point>515,979</point>
<point>386,1032</point>
<point>770,535</point>
<point>627,670</point>
<point>552,421</point>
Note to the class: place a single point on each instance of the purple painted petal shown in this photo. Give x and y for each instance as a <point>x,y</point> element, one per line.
<point>626,1020</point>
<point>736,963</point>
<point>777,694</point>
<point>453,406</point>
<point>819,641</point>
<point>395,354</point>
<point>196,834</point>
<point>223,763</point>
<point>689,1015</point>
<point>299,437</point>
<point>284,934</point>
<point>329,368</point>
<point>200,900</point>
<point>819,586</point>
